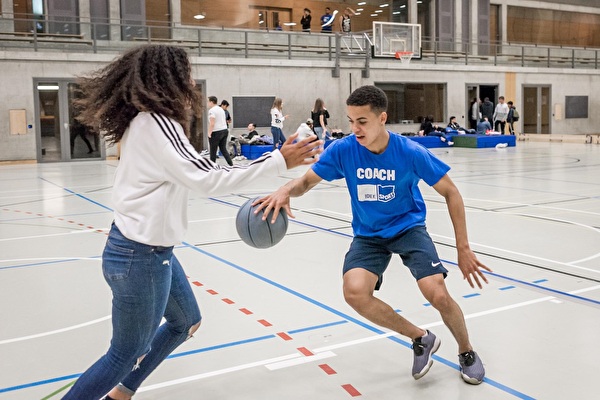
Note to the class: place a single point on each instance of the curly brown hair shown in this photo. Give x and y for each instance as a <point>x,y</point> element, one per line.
<point>150,78</point>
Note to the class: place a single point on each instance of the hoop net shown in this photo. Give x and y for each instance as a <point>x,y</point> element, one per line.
<point>404,56</point>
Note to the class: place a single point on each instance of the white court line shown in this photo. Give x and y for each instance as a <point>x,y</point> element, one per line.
<point>338,346</point>
<point>218,372</point>
<point>451,239</point>
<point>479,201</point>
<point>52,235</point>
<point>299,360</point>
<point>69,328</point>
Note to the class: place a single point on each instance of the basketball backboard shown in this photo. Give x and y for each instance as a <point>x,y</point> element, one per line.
<point>392,37</point>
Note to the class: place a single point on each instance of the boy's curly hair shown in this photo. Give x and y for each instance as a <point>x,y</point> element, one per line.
<point>151,78</point>
<point>371,96</point>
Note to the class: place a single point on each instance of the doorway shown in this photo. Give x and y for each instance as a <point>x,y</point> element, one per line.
<point>274,18</point>
<point>536,109</point>
<point>59,136</point>
<point>480,92</point>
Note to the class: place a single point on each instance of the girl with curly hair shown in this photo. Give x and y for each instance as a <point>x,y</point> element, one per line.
<point>144,100</point>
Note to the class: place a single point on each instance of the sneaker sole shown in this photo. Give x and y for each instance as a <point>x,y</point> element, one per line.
<point>436,346</point>
<point>468,379</point>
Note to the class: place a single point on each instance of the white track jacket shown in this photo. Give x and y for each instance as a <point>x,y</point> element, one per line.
<point>158,168</point>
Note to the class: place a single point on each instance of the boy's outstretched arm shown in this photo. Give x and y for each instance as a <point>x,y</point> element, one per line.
<point>281,197</point>
<point>468,263</point>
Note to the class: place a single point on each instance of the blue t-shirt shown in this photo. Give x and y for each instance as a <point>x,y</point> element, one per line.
<point>384,191</point>
<point>324,19</point>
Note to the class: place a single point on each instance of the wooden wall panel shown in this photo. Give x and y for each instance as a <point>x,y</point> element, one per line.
<point>244,13</point>
<point>552,27</point>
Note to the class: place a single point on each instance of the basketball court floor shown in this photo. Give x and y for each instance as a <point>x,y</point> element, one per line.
<point>275,325</point>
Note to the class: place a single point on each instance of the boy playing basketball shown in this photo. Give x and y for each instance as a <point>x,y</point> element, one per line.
<point>382,171</point>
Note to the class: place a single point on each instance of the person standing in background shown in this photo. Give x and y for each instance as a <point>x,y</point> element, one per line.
<point>305,20</point>
<point>225,107</point>
<point>217,130</point>
<point>345,25</point>
<point>325,19</point>
<point>319,115</point>
<point>475,113</point>
<point>277,119</point>
<point>500,115</point>
<point>513,116</point>
<point>487,109</point>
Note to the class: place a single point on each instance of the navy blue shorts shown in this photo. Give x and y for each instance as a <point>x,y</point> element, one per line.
<point>414,246</point>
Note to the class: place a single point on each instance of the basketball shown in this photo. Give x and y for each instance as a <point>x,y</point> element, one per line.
<point>258,233</point>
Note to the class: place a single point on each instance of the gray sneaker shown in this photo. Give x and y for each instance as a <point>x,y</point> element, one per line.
<point>424,347</point>
<point>471,367</point>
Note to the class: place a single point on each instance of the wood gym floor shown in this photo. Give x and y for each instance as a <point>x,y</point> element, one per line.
<point>275,324</point>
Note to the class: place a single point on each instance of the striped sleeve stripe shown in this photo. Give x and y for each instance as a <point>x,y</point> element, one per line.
<point>171,134</point>
<point>169,130</point>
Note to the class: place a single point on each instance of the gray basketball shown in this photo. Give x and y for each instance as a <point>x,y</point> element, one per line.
<point>256,232</point>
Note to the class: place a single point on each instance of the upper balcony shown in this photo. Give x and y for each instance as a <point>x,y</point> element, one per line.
<point>84,37</point>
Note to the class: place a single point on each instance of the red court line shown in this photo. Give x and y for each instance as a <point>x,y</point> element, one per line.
<point>328,370</point>
<point>197,283</point>
<point>228,301</point>
<point>351,390</point>
<point>212,291</point>
<point>264,322</point>
<point>245,311</point>
<point>284,336</point>
<point>305,351</point>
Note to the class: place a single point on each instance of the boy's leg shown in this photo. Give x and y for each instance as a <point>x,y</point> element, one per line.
<point>359,285</point>
<point>435,291</point>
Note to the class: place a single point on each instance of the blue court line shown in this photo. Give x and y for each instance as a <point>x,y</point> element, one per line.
<point>349,318</point>
<point>507,287</point>
<point>39,383</point>
<point>77,194</point>
<point>319,304</point>
<point>177,355</point>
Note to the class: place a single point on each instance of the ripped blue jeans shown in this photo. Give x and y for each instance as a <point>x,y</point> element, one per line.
<point>147,283</point>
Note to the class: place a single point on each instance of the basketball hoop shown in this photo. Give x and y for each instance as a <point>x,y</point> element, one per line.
<point>404,56</point>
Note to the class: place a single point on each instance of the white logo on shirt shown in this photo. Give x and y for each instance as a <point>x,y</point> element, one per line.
<point>383,193</point>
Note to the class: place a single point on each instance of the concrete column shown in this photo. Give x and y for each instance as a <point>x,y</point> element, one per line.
<point>458,22</point>
<point>412,12</point>
<point>175,10</point>
<point>86,18</point>
<point>474,26</point>
<point>503,23</point>
<point>7,12</point>
<point>114,13</point>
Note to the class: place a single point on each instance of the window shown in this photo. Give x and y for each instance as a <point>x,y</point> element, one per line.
<point>414,101</point>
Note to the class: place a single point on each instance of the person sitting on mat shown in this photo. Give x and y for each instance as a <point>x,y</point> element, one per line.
<point>454,126</point>
<point>428,129</point>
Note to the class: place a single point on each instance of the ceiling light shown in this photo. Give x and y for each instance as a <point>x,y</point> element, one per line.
<point>362,3</point>
<point>374,15</point>
<point>289,23</point>
<point>383,5</point>
<point>200,16</point>
<point>378,11</point>
<point>47,87</point>
<point>360,9</point>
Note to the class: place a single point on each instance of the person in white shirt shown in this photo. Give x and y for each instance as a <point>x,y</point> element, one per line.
<point>142,100</point>
<point>217,130</point>
<point>277,119</point>
<point>500,115</point>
